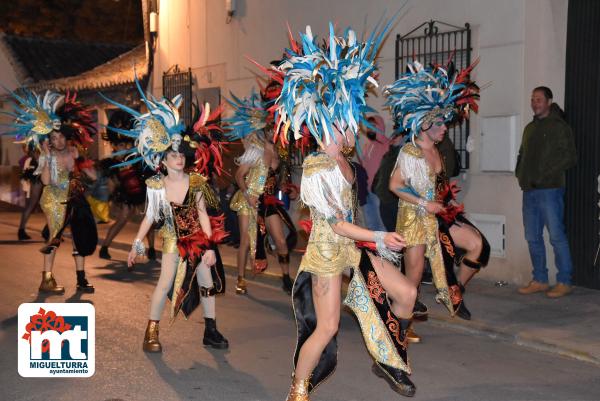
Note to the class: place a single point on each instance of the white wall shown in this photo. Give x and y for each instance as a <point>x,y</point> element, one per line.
<point>521,44</point>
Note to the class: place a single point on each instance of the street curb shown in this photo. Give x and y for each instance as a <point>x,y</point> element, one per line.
<point>441,320</point>
<point>523,340</point>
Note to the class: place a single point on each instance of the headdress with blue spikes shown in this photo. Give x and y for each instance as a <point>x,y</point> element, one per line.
<point>35,117</point>
<point>249,116</point>
<point>423,95</point>
<point>325,86</point>
<point>154,132</point>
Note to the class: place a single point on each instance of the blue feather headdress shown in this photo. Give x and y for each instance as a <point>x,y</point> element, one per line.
<point>34,116</point>
<point>422,95</point>
<point>325,86</point>
<point>154,132</point>
<point>249,116</point>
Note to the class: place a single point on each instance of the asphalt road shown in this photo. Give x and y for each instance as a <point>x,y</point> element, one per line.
<point>447,366</point>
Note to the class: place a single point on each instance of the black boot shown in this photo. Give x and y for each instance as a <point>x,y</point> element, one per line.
<point>460,308</point>
<point>462,311</point>
<point>397,379</point>
<point>82,283</point>
<point>212,337</point>
<point>23,235</point>
<point>103,254</point>
<point>420,309</point>
<point>287,284</point>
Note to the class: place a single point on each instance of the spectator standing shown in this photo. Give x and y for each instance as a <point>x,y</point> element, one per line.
<point>547,151</point>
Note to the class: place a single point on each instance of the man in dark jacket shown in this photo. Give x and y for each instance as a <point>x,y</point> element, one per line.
<point>547,151</point>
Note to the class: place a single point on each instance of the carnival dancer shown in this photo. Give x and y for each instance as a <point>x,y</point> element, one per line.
<point>325,90</point>
<point>32,186</point>
<point>129,192</point>
<point>256,203</point>
<point>422,102</point>
<point>56,124</point>
<point>178,201</point>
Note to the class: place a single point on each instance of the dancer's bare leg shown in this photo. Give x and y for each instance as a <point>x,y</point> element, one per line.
<point>34,198</point>
<point>49,260</point>
<point>469,239</point>
<point>168,268</point>
<point>414,263</point>
<point>326,293</point>
<point>275,228</point>
<point>118,225</point>
<point>399,289</point>
<point>242,254</point>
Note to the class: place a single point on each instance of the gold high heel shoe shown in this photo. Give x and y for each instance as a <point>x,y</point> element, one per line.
<point>411,336</point>
<point>240,287</point>
<point>151,343</point>
<point>48,284</point>
<point>298,390</point>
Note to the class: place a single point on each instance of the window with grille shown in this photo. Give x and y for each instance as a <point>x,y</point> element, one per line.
<point>436,42</point>
<point>180,83</point>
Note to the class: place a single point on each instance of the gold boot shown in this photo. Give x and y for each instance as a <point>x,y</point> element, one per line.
<point>48,284</point>
<point>151,343</point>
<point>240,287</point>
<point>299,390</point>
<point>411,336</point>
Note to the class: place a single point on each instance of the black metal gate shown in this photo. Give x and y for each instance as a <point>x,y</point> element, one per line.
<point>433,46</point>
<point>582,102</point>
<point>180,83</point>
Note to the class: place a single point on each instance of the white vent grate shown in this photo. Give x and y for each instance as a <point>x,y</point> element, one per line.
<point>493,227</point>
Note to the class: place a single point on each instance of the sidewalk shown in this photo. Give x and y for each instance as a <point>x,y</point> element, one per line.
<point>569,326</point>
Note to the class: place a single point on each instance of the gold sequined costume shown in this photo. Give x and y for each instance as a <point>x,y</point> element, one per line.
<point>329,196</point>
<point>417,226</point>
<point>54,201</point>
<point>255,182</point>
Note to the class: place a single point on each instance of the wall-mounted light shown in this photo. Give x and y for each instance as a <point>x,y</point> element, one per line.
<point>230,10</point>
<point>154,22</point>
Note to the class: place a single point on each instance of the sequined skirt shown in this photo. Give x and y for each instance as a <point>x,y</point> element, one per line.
<point>328,254</point>
<point>169,239</point>
<point>53,204</point>
<point>416,228</point>
<point>239,204</point>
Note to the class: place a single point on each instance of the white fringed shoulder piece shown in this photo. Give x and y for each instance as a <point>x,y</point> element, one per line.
<point>53,163</point>
<point>41,164</point>
<point>157,205</point>
<point>323,186</point>
<point>252,154</point>
<point>414,169</point>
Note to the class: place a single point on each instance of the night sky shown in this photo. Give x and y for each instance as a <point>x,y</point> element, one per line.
<point>106,21</point>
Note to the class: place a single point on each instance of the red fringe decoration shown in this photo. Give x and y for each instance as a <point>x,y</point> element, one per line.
<point>217,224</point>
<point>306,225</point>
<point>208,151</point>
<point>193,246</point>
<point>82,163</point>
<point>271,200</point>
<point>448,196</point>
<point>77,121</point>
<point>366,245</point>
